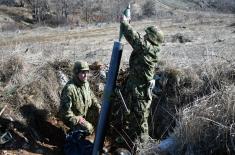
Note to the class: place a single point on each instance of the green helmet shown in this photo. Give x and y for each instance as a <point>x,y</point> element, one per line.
<point>80,66</point>
<point>155,35</point>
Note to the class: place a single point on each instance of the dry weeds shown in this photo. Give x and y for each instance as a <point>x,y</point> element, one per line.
<point>196,107</point>
<point>207,125</point>
<point>197,97</point>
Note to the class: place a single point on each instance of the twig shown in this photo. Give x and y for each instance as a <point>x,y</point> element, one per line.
<point>167,129</point>
<point>121,136</point>
<point>21,135</point>
<point>3,109</point>
<point>217,123</point>
<point>172,115</point>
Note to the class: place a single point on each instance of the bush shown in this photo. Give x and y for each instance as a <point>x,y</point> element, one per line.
<point>149,8</point>
<point>56,21</point>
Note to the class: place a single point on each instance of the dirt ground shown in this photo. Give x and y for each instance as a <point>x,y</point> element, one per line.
<point>191,39</point>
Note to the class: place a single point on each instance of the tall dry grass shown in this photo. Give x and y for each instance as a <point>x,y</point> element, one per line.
<point>196,108</point>
<point>207,125</point>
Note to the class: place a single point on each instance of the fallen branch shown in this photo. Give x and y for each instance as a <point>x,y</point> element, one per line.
<point>21,135</point>
<point>3,109</point>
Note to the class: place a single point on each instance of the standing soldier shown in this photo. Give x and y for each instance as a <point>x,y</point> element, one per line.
<point>77,98</point>
<point>140,81</point>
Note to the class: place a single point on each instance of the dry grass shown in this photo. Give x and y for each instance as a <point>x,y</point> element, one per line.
<point>10,68</point>
<point>198,110</point>
<point>207,125</point>
<point>197,85</point>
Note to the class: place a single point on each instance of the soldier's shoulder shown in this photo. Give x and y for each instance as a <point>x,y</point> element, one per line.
<point>70,86</point>
<point>87,85</point>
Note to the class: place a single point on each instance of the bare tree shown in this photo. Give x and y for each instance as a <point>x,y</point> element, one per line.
<point>62,11</point>
<point>65,7</point>
<point>149,8</point>
<point>40,9</point>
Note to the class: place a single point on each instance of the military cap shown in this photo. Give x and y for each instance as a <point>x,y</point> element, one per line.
<point>155,35</point>
<point>80,66</point>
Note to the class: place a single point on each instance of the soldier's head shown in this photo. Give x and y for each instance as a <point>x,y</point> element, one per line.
<point>154,35</point>
<point>81,70</point>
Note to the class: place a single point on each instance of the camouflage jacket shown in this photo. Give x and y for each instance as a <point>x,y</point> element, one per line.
<point>76,99</point>
<point>142,60</point>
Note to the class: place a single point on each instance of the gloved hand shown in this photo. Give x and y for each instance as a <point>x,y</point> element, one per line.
<point>126,16</point>
<point>151,84</point>
<point>150,88</point>
<point>85,125</point>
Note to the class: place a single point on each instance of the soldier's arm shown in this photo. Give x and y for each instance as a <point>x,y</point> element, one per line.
<point>66,108</point>
<point>131,36</point>
<point>95,101</point>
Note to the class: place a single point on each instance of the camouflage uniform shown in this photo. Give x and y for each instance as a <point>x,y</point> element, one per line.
<point>76,99</point>
<point>142,65</point>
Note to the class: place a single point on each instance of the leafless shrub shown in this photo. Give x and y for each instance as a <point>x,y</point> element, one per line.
<point>63,65</point>
<point>54,21</point>
<point>39,86</point>
<point>149,8</point>
<point>41,90</point>
<point>10,68</point>
<point>180,38</point>
<point>40,9</point>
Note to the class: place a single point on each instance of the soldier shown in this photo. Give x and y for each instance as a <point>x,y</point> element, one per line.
<point>77,98</point>
<point>140,80</point>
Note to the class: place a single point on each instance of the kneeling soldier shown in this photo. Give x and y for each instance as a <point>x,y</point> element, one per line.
<point>77,98</point>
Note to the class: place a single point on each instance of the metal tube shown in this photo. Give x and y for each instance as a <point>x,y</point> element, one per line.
<point>106,103</point>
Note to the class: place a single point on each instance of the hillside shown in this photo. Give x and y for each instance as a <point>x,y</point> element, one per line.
<point>205,5</point>
<point>23,14</point>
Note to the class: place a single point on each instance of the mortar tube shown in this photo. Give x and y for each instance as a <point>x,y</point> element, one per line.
<point>106,101</point>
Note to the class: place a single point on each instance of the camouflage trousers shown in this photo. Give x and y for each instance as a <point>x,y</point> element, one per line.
<point>137,121</point>
<point>91,121</point>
